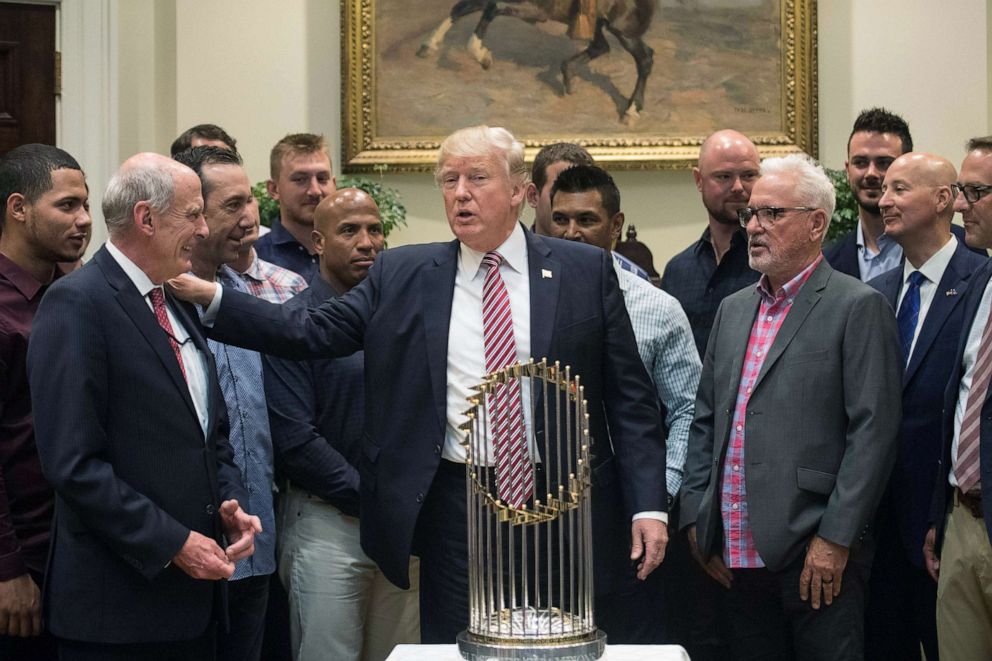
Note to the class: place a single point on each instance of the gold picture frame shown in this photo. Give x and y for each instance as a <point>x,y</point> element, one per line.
<point>750,65</point>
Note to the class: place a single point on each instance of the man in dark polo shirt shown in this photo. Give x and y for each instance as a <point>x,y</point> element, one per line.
<point>301,176</point>
<point>715,266</point>
<point>46,220</point>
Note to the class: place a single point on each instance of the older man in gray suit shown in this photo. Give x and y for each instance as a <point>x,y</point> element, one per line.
<point>795,432</point>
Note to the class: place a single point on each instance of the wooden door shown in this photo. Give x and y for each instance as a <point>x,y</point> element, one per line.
<point>27,75</point>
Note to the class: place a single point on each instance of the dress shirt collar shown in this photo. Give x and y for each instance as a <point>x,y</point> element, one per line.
<point>254,270</point>
<point>141,281</point>
<point>23,281</point>
<point>882,241</point>
<point>513,250</point>
<point>281,235</point>
<point>933,269</point>
<point>706,240</point>
<point>789,289</point>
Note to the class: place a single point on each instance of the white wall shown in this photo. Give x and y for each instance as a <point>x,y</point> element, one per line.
<point>262,68</point>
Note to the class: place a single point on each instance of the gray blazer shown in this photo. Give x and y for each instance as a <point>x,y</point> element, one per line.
<point>821,424</point>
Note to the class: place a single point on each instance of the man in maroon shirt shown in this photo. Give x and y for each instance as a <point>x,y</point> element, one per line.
<point>46,220</point>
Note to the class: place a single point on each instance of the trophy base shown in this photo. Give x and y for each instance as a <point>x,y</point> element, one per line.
<point>588,648</point>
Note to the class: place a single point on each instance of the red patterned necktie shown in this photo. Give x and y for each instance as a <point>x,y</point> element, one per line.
<point>967,465</point>
<point>514,476</point>
<point>158,306</point>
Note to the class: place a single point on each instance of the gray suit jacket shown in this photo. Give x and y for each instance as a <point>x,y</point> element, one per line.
<point>821,424</point>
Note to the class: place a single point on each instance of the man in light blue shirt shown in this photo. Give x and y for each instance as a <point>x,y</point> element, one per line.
<point>585,207</point>
<point>227,200</point>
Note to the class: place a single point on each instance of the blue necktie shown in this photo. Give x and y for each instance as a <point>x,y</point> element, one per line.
<point>909,314</point>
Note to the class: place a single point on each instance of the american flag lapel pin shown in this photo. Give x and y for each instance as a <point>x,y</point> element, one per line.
<point>951,292</point>
<point>545,273</point>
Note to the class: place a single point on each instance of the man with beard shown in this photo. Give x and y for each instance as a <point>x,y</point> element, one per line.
<point>794,434</point>
<point>45,220</point>
<point>878,138</point>
<point>300,171</point>
<point>715,266</point>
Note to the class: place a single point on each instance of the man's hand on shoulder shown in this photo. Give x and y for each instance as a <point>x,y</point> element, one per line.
<point>188,287</point>
<point>649,537</point>
<point>822,571</point>
<point>20,607</point>
<point>714,567</point>
<point>239,528</point>
<point>202,558</point>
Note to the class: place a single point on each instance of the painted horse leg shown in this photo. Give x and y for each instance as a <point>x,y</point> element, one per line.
<point>461,9</point>
<point>525,11</point>
<point>598,46</point>
<point>644,60</point>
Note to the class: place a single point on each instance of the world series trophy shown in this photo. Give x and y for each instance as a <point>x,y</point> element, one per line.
<point>529,518</point>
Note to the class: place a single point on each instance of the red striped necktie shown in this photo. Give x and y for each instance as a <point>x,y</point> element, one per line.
<point>158,306</point>
<point>967,464</point>
<point>514,477</point>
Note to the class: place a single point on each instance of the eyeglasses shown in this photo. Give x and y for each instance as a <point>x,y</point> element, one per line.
<point>766,215</point>
<point>972,192</point>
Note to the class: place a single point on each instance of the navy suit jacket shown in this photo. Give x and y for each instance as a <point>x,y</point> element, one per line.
<point>120,441</point>
<point>942,494</point>
<point>842,254</point>
<point>400,316</point>
<point>906,504</point>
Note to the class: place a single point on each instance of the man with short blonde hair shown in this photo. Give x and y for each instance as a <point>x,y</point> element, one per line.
<point>300,176</point>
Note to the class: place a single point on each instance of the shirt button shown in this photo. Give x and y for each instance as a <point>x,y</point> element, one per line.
<point>758,352</point>
<point>733,506</point>
<point>737,467</point>
<point>768,318</point>
<point>740,427</point>
<point>749,390</point>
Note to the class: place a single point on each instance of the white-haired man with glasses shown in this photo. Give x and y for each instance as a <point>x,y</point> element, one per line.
<point>796,420</point>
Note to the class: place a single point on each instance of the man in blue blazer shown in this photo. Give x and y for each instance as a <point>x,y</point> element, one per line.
<point>418,316</point>
<point>131,430</point>
<point>958,546</point>
<point>917,207</point>
<point>866,252</point>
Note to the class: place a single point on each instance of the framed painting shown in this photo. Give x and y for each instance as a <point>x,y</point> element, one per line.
<point>639,83</point>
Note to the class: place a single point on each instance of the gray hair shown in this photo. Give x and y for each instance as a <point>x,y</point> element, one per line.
<point>139,183</point>
<point>813,186</point>
<point>481,141</point>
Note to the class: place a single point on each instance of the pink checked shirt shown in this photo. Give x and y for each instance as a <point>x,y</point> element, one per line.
<point>739,551</point>
<point>272,283</point>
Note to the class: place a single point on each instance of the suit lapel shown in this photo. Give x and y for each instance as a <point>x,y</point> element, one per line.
<point>739,322</point>
<point>545,284</point>
<point>940,309</point>
<point>137,309</point>
<point>805,301</point>
<point>437,288</point>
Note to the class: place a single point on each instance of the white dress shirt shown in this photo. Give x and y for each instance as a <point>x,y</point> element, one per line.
<point>932,270</point>
<point>968,361</point>
<point>193,360</point>
<point>466,352</point>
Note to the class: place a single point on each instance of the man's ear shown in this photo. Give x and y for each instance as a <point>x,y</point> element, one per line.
<point>818,227</point>
<point>141,218</point>
<point>697,176</point>
<point>273,189</point>
<point>943,198</point>
<point>14,209</point>
<point>532,195</point>
<point>616,227</point>
<point>318,241</point>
